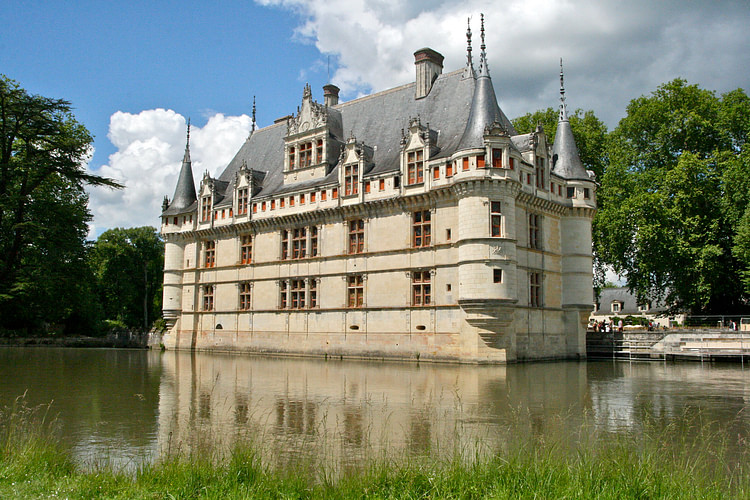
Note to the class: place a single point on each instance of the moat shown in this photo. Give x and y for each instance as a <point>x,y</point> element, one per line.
<point>130,406</point>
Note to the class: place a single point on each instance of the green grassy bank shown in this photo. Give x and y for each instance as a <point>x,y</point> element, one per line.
<point>35,464</point>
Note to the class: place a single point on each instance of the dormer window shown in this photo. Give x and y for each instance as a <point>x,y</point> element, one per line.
<point>305,154</point>
<point>319,151</point>
<point>205,208</point>
<point>242,200</point>
<point>415,167</point>
<point>540,166</point>
<point>351,179</point>
<point>497,158</point>
<point>291,158</point>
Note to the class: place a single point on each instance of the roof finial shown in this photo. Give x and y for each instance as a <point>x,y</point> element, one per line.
<point>483,67</point>
<point>481,17</point>
<point>253,129</point>
<point>188,134</point>
<point>469,62</point>
<point>563,108</point>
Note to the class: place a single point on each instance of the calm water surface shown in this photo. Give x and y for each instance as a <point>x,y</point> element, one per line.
<point>129,406</point>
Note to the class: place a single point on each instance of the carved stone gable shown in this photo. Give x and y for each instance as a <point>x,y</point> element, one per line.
<point>310,116</point>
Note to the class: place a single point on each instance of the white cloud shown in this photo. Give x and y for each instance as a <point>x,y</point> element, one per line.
<point>150,146</point>
<point>614,51</point>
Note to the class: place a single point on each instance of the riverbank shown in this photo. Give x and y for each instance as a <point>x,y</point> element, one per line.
<point>125,340</point>
<point>34,464</point>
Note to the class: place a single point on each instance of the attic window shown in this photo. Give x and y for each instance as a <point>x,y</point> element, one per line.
<point>616,306</point>
<point>242,198</point>
<point>351,179</point>
<point>415,167</point>
<point>205,208</point>
<point>319,151</point>
<point>497,158</point>
<point>305,154</point>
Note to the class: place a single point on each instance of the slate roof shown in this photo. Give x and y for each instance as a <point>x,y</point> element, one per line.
<point>184,194</point>
<point>377,120</point>
<point>458,108</point>
<point>628,301</point>
<point>565,159</point>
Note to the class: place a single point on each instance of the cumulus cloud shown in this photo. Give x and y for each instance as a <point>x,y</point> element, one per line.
<point>150,146</point>
<point>614,51</point>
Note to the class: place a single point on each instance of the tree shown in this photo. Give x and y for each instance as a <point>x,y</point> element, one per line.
<point>589,132</point>
<point>43,213</point>
<point>672,197</point>
<point>129,266</point>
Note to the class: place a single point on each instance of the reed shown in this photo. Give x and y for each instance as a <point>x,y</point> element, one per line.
<point>675,457</point>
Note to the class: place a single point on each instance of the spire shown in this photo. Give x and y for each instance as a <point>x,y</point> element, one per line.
<point>186,157</point>
<point>563,108</point>
<point>184,193</point>
<point>253,126</point>
<point>483,68</point>
<point>484,108</point>
<point>469,70</point>
<point>566,162</point>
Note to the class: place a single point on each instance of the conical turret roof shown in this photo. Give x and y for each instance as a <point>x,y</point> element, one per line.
<point>484,108</point>
<point>184,193</point>
<point>566,161</point>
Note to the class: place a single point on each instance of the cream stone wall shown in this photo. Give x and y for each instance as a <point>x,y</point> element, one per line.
<point>471,318</point>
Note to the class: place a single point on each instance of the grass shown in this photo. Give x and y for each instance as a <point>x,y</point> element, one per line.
<point>661,461</point>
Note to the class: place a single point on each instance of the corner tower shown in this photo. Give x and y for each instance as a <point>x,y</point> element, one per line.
<point>577,258</point>
<point>174,220</point>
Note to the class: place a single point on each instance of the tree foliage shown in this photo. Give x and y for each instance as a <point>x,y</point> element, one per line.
<point>673,196</point>
<point>129,266</point>
<point>43,210</point>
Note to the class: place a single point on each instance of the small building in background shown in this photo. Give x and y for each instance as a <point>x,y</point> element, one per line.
<point>618,302</point>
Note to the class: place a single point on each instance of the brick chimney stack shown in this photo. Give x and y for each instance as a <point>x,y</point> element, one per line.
<point>330,94</point>
<point>429,65</point>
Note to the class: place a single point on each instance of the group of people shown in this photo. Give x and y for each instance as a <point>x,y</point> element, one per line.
<point>605,326</point>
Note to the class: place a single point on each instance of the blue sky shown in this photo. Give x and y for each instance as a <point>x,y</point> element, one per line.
<point>135,71</point>
<point>131,56</point>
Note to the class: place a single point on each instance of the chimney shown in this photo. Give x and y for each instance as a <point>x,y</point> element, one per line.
<point>429,65</point>
<point>330,94</point>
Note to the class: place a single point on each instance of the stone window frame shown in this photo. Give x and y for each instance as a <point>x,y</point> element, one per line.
<point>298,293</point>
<point>496,219</point>
<point>356,236</point>
<point>208,297</point>
<point>243,200</point>
<point>206,207</point>
<point>351,179</point>
<point>421,288</point>
<point>421,229</point>
<point>355,291</point>
<point>299,243</point>
<point>540,167</point>
<point>535,230</point>
<point>245,295</point>
<point>616,306</point>
<point>415,166</point>
<point>246,248</point>
<point>209,254</point>
<point>536,289</point>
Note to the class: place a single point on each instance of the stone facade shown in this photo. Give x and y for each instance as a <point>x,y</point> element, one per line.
<point>414,223</point>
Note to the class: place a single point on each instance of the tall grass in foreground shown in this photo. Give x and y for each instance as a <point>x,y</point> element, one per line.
<point>658,462</point>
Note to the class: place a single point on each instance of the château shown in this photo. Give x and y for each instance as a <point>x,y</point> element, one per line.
<point>413,223</point>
